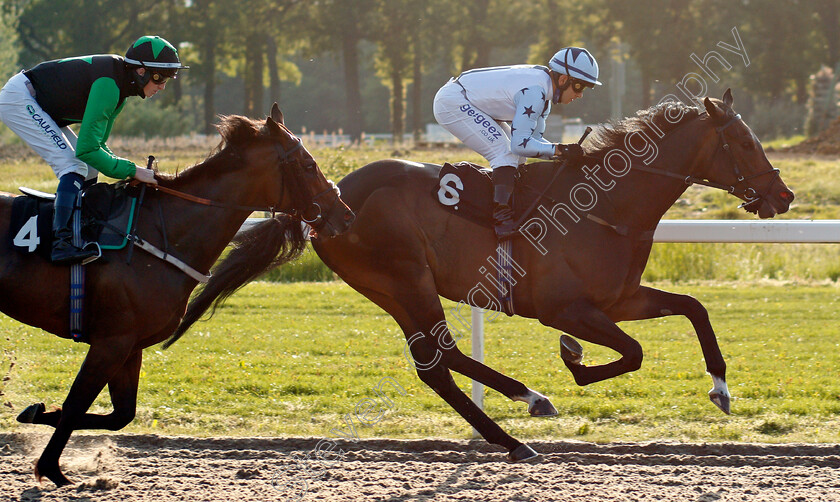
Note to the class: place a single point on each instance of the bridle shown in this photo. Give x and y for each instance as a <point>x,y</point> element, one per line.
<point>314,222</point>
<point>742,187</point>
<point>283,158</point>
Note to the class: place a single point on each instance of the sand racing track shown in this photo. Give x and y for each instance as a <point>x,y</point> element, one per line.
<point>121,467</point>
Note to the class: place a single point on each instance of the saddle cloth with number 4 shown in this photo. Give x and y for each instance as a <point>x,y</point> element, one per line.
<point>108,212</point>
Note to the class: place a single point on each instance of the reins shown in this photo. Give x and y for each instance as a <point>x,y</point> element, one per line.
<point>283,158</point>
<point>748,191</point>
<point>208,202</point>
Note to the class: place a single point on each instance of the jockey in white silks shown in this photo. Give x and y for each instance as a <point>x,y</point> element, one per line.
<point>500,113</point>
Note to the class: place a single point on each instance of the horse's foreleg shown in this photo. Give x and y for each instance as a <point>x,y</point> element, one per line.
<point>123,390</point>
<point>650,303</point>
<point>100,365</point>
<point>584,320</point>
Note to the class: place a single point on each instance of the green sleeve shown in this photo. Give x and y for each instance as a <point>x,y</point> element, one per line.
<point>96,126</point>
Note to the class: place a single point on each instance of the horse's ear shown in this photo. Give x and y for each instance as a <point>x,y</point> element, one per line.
<point>274,117</point>
<point>711,109</point>
<point>273,128</point>
<point>276,114</point>
<point>727,97</point>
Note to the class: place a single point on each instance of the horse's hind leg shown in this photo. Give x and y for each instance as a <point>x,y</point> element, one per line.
<point>123,390</point>
<point>584,320</point>
<point>420,316</point>
<point>438,377</point>
<point>103,361</point>
<point>650,303</point>
<point>538,404</point>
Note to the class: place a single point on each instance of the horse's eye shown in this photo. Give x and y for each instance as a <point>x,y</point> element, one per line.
<point>748,145</point>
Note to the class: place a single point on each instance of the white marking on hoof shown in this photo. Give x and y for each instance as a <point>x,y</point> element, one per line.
<point>720,394</point>
<point>538,404</point>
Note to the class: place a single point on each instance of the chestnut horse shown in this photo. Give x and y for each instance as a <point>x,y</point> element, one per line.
<point>577,273</point>
<point>133,306</point>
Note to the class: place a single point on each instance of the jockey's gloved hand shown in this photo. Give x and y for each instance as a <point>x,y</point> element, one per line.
<point>145,175</point>
<point>572,153</point>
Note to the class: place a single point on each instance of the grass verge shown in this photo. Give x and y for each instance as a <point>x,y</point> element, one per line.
<point>306,360</point>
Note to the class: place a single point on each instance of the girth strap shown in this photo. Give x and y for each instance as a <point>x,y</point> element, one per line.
<point>77,283</point>
<point>145,246</point>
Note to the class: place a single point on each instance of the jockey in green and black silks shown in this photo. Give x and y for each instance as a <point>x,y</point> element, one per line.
<point>41,103</point>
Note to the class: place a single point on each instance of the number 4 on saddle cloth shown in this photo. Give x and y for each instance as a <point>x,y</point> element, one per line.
<point>106,220</point>
<point>108,213</point>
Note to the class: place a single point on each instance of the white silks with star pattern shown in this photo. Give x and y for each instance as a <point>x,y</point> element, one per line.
<point>478,105</point>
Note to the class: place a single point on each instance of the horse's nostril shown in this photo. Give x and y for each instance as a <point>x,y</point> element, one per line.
<point>786,195</point>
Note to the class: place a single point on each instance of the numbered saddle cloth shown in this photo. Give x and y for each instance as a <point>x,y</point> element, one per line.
<point>466,189</point>
<point>108,213</point>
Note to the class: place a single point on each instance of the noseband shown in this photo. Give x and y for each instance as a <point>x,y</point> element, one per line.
<point>747,190</point>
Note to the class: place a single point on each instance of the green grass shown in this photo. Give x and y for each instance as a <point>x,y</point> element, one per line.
<point>296,359</point>
<point>779,143</point>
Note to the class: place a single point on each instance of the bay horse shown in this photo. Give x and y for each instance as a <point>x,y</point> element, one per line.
<point>581,274</point>
<point>133,306</point>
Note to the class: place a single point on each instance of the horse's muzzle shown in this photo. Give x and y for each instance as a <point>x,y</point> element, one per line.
<point>337,220</point>
<point>775,202</point>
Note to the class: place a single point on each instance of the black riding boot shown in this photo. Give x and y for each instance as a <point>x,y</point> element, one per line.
<point>502,209</point>
<point>63,250</point>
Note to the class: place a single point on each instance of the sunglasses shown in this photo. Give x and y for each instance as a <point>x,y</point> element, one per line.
<point>579,85</point>
<point>161,78</point>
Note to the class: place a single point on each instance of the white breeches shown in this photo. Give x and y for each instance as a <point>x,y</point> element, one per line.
<point>23,115</point>
<point>478,130</point>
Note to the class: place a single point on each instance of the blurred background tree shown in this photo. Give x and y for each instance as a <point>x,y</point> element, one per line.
<point>375,65</point>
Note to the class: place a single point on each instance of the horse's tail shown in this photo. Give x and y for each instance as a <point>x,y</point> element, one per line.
<point>257,250</point>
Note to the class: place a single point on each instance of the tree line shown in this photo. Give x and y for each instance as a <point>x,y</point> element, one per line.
<point>406,49</point>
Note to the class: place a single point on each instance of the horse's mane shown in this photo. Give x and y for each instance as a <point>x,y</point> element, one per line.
<point>664,116</point>
<point>261,248</point>
<point>257,250</point>
<point>235,131</point>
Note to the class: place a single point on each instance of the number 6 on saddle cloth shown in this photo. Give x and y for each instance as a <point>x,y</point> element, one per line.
<point>108,213</point>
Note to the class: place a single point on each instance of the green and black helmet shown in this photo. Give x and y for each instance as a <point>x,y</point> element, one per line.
<point>155,54</point>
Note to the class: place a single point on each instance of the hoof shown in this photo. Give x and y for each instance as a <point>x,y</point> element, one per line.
<point>52,473</point>
<point>721,400</point>
<point>542,408</point>
<point>523,453</point>
<point>28,415</point>
<point>570,350</point>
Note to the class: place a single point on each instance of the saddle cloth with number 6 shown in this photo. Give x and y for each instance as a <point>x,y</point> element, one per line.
<point>466,190</point>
